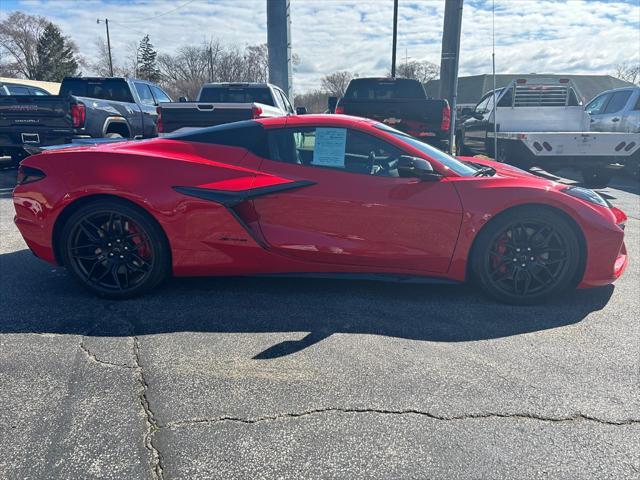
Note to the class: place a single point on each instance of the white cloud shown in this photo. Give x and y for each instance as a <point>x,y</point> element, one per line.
<point>542,36</point>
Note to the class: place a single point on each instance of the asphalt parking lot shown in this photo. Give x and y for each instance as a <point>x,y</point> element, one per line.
<point>282,378</point>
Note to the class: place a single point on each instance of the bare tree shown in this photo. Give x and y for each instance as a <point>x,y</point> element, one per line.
<point>628,72</point>
<point>423,71</point>
<point>335,84</point>
<point>101,65</point>
<point>19,35</point>
<point>314,100</point>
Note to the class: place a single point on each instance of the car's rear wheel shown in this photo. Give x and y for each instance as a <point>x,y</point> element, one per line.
<point>526,256</point>
<point>114,249</point>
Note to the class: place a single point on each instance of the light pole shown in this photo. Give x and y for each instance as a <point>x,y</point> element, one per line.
<point>395,38</point>
<point>106,23</point>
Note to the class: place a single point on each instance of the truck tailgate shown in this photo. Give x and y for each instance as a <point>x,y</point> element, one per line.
<point>428,112</point>
<point>195,115</point>
<point>34,119</point>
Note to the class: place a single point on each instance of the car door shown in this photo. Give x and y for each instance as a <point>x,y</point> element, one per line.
<point>351,207</point>
<point>612,115</point>
<point>475,127</point>
<point>595,109</point>
<point>148,107</point>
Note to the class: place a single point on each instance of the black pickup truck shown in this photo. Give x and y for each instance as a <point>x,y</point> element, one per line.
<point>220,103</point>
<point>85,108</point>
<point>400,103</point>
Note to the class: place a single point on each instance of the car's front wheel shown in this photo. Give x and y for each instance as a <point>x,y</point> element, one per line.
<point>526,256</point>
<point>114,249</point>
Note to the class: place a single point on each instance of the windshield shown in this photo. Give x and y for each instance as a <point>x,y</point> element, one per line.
<point>377,89</point>
<point>115,89</point>
<point>445,159</point>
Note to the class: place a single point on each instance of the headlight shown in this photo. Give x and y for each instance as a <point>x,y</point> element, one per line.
<point>587,195</point>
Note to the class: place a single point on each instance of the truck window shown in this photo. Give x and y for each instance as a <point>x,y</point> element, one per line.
<point>144,92</point>
<point>223,94</point>
<point>159,95</point>
<point>596,105</point>
<point>618,101</point>
<point>381,89</point>
<point>115,89</point>
<point>17,90</point>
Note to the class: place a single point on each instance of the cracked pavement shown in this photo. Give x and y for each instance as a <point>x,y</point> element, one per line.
<point>284,378</point>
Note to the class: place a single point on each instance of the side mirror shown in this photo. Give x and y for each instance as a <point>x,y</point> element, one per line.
<point>332,102</point>
<point>301,110</point>
<point>478,115</point>
<point>415,167</point>
<point>183,99</point>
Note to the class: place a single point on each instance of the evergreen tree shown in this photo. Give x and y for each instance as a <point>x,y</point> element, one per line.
<point>147,67</point>
<point>56,56</point>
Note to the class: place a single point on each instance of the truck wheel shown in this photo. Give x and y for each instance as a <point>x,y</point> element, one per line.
<point>596,177</point>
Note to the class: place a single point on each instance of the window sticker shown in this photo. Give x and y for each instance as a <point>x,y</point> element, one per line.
<point>329,147</point>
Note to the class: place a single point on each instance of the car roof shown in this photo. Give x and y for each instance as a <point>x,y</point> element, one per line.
<point>315,119</point>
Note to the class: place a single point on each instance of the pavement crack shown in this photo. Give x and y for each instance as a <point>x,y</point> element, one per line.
<point>92,356</point>
<point>150,419</point>
<point>523,416</point>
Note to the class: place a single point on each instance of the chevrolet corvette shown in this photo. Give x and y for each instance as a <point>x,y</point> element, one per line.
<point>318,195</point>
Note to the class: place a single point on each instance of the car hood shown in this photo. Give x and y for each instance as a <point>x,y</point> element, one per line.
<point>503,169</point>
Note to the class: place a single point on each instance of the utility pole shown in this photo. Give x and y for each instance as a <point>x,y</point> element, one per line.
<point>106,23</point>
<point>395,38</point>
<point>449,60</point>
<point>279,44</point>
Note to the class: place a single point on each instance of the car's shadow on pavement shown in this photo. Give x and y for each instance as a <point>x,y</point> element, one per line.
<point>37,298</point>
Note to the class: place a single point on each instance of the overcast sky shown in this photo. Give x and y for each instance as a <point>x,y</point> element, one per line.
<point>541,36</point>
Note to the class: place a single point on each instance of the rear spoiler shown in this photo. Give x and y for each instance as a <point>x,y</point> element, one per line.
<point>34,150</point>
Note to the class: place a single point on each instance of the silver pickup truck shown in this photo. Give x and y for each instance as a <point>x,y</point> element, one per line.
<point>220,103</point>
<point>615,111</point>
<point>541,123</point>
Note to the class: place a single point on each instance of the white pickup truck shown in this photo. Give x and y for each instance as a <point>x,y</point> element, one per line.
<point>220,103</point>
<point>541,123</point>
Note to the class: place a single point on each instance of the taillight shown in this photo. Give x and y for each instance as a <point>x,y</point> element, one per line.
<point>256,111</point>
<point>446,118</point>
<point>159,124</point>
<point>339,109</point>
<point>29,175</point>
<point>78,112</point>
<point>620,216</point>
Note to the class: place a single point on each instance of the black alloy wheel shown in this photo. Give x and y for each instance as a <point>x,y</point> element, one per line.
<point>526,257</point>
<point>114,249</point>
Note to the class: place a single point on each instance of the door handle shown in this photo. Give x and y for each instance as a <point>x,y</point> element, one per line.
<point>615,119</point>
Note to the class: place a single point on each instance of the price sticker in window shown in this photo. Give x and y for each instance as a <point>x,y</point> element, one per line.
<point>329,147</point>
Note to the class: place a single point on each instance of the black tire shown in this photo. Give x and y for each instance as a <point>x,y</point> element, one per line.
<point>526,256</point>
<point>115,249</point>
<point>596,177</point>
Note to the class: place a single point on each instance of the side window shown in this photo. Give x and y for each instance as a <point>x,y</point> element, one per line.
<point>637,106</point>
<point>17,90</point>
<point>618,101</point>
<point>159,95</point>
<point>278,99</point>
<point>333,147</point>
<point>287,105</point>
<point>507,99</point>
<point>38,91</point>
<point>144,92</point>
<point>481,107</point>
<point>596,105</point>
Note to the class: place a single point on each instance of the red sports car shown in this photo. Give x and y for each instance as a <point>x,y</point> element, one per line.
<point>311,195</point>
